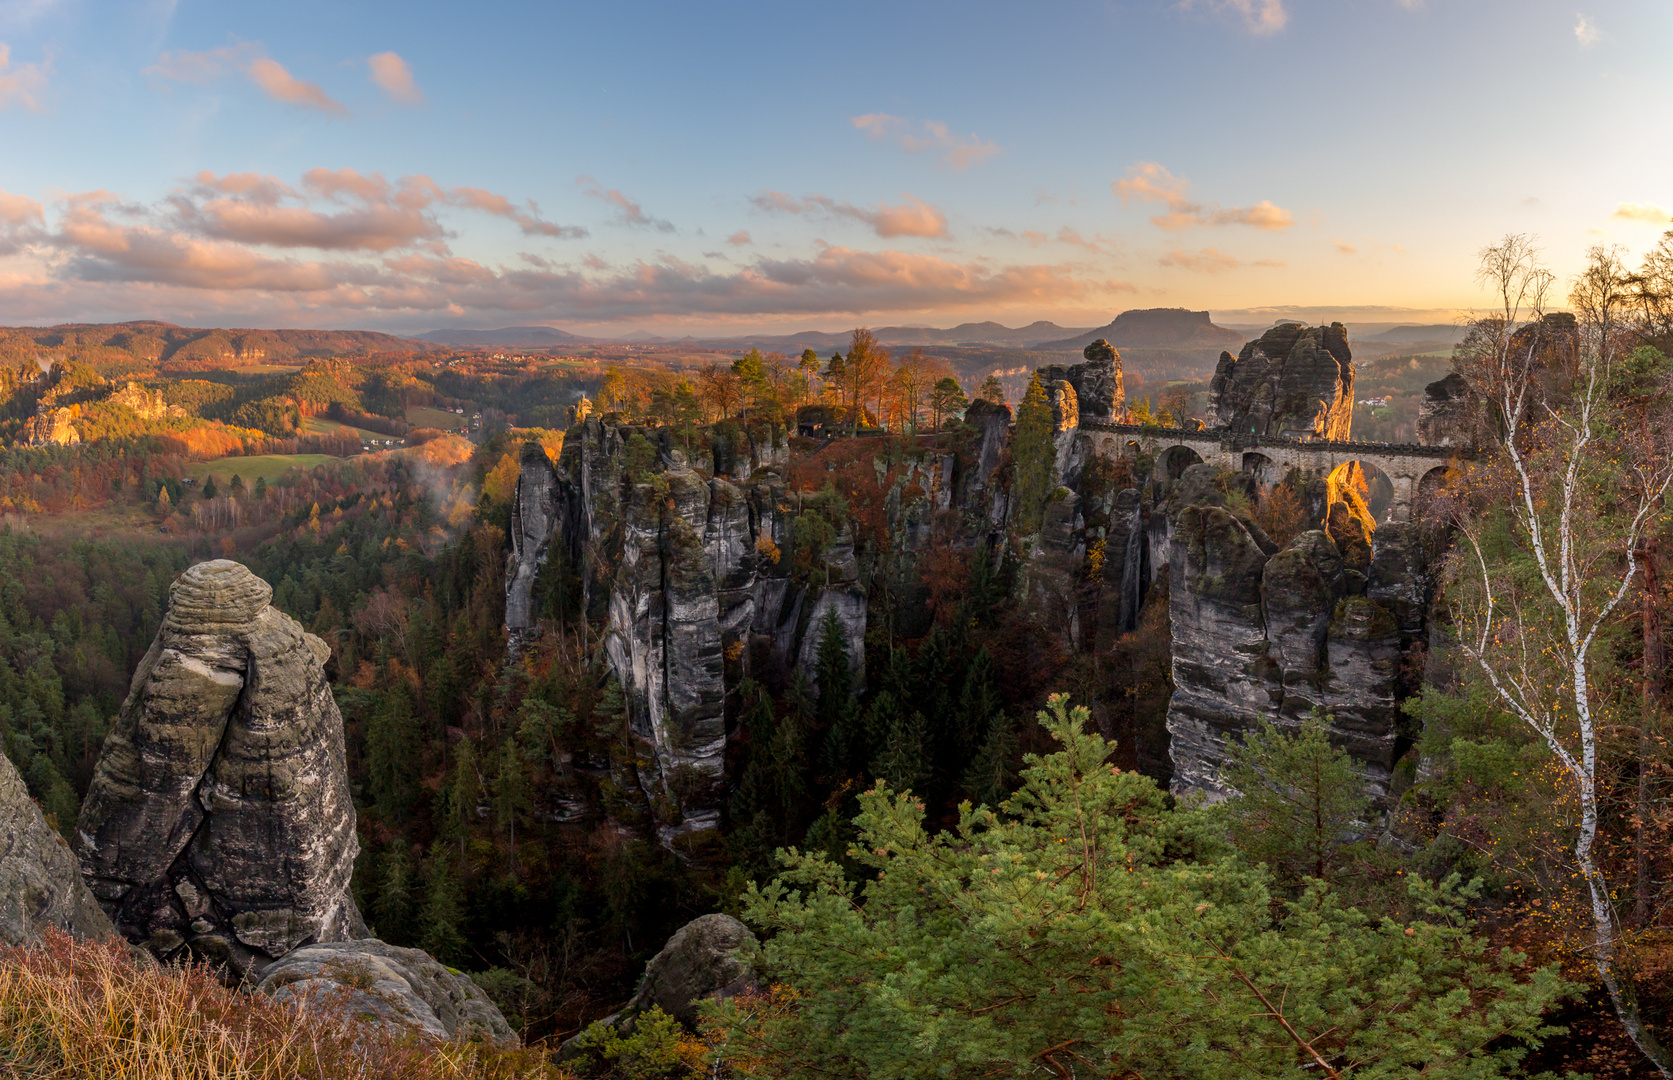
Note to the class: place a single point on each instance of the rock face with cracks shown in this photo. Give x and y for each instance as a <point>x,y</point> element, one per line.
<point>219,820</point>
<point>1292,381</point>
<point>40,884</point>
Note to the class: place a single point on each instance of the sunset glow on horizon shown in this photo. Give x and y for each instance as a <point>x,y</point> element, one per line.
<point>610,168</point>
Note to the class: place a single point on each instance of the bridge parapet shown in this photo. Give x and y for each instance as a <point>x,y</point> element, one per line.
<point>1238,441</point>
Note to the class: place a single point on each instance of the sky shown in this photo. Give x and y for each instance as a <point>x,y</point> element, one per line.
<point>715,168</point>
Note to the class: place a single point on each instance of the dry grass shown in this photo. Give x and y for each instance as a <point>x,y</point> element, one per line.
<point>94,1010</point>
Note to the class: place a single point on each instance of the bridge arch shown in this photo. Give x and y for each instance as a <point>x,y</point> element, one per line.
<point>1172,462</point>
<point>1369,481</point>
<point>1429,486</point>
<point>1263,469</point>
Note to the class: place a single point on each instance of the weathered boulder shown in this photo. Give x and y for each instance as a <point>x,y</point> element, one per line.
<point>399,989</point>
<point>219,818</point>
<point>40,883</point>
<point>710,957</point>
<point>1292,381</point>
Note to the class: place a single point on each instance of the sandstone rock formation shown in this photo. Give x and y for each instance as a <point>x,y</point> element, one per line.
<point>40,884</point>
<point>711,957</point>
<point>1445,415</point>
<point>53,427</point>
<point>219,819</point>
<point>148,404</point>
<point>1261,636</point>
<point>395,988</point>
<point>1098,387</point>
<point>1292,381</point>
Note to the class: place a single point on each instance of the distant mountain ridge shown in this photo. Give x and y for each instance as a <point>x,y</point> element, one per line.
<point>982,333</point>
<point>1155,328</point>
<point>187,347</point>
<point>508,335</point>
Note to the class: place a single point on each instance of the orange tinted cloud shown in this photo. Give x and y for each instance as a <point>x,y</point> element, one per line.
<point>281,85</point>
<point>1258,16</point>
<point>393,76</point>
<point>267,74</point>
<point>20,84</point>
<point>1645,212</point>
<point>740,237</point>
<point>914,217</point>
<point>1207,261</point>
<point>1149,182</point>
<point>956,151</point>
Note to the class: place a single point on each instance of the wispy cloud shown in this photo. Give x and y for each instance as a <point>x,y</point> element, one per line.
<point>1149,182</point>
<point>1258,16</point>
<point>1345,248</point>
<point>954,151</point>
<point>393,76</point>
<point>628,212</point>
<point>1207,261</point>
<point>236,244</point>
<point>21,84</point>
<point>267,74</point>
<point>1586,32</point>
<point>1646,212</point>
<point>914,217</point>
<point>740,238</point>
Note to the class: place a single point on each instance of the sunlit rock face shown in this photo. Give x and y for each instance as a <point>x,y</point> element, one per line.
<point>219,819</point>
<point>1293,381</point>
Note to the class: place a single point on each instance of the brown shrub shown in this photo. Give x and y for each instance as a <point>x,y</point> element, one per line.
<point>96,1010</point>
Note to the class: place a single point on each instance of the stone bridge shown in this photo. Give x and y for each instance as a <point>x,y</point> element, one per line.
<point>1414,471</point>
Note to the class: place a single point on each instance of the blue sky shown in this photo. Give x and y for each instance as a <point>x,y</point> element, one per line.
<point>682,167</point>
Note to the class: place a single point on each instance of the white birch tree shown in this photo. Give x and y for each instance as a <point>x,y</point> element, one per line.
<point>1533,593</point>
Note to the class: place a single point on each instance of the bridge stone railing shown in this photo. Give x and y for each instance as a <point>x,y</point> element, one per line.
<point>1405,464</point>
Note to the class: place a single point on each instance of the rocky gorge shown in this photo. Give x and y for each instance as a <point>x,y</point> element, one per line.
<point>686,561</point>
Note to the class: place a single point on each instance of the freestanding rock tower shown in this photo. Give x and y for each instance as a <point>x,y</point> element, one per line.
<point>219,819</point>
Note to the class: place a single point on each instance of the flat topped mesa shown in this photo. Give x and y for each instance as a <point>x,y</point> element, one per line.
<point>1293,381</point>
<point>219,821</point>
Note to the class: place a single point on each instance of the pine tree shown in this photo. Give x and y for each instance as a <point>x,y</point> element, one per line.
<point>1034,456</point>
<point>260,491</point>
<point>391,909</point>
<point>392,756</point>
<point>462,795</point>
<point>903,763</point>
<point>511,792</point>
<point>209,490</point>
<point>992,772</point>
<point>992,392</point>
<point>1300,801</point>
<point>831,670</point>
<point>443,918</point>
<point>1172,948</point>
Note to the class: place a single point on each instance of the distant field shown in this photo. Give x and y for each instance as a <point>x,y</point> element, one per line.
<point>253,468</point>
<point>425,416</point>
<point>320,425</point>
